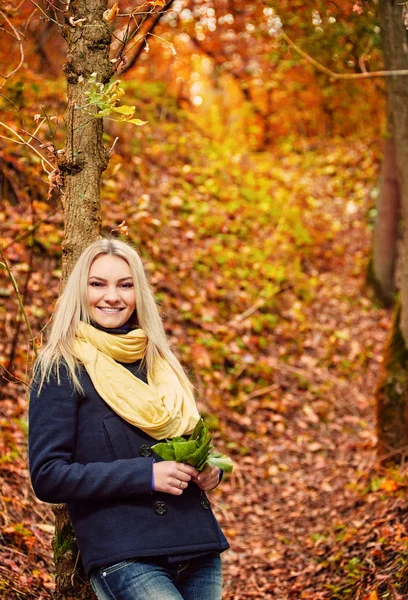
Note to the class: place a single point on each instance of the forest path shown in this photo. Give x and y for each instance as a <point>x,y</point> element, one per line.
<point>296,504</point>
<point>305,511</point>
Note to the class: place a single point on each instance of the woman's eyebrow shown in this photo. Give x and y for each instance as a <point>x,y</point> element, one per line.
<point>103,279</point>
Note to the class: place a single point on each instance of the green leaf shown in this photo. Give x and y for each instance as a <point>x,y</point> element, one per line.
<point>197,430</point>
<point>177,440</point>
<point>199,458</point>
<point>223,462</point>
<point>184,451</point>
<point>165,451</point>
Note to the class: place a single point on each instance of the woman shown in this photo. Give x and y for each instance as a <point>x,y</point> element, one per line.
<point>106,388</point>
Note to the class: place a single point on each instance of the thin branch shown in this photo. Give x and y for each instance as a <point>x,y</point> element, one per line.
<point>33,136</point>
<point>15,286</point>
<point>333,74</point>
<point>149,31</point>
<point>23,141</point>
<point>4,137</point>
<point>32,228</point>
<point>20,43</point>
<point>12,375</point>
<point>27,23</point>
<point>46,15</point>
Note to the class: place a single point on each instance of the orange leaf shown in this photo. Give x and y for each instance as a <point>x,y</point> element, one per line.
<point>389,485</point>
<point>122,228</point>
<point>110,14</point>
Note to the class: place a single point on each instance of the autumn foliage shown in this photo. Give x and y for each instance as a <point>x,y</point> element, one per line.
<point>249,192</point>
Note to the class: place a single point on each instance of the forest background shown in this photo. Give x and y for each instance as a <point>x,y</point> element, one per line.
<point>250,192</point>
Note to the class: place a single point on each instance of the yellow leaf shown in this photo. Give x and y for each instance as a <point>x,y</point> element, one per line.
<point>125,109</point>
<point>136,121</point>
<point>156,2</point>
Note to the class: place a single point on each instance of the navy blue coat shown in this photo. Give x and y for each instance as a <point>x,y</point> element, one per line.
<point>83,454</point>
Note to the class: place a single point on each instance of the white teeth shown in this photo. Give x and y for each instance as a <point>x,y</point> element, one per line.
<point>110,310</point>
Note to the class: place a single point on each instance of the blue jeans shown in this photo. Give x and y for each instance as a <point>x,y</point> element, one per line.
<point>155,579</point>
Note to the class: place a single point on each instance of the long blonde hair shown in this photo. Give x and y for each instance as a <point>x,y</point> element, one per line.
<point>72,307</point>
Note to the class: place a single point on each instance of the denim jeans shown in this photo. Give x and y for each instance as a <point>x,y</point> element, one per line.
<point>155,579</point>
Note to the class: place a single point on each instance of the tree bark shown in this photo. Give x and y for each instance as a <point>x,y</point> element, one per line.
<point>81,165</point>
<point>85,157</point>
<point>392,400</point>
<point>386,227</point>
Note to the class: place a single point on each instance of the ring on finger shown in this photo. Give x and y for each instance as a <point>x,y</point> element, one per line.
<point>181,485</point>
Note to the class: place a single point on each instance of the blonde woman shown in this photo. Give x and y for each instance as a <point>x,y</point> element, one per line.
<point>106,388</point>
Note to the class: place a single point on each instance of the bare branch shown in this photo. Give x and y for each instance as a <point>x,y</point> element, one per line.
<point>333,74</point>
<point>23,141</point>
<point>20,43</point>
<point>46,15</point>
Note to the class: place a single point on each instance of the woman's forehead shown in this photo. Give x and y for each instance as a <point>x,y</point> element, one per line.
<point>107,265</point>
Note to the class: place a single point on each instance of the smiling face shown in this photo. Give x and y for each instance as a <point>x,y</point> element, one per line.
<point>111,295</point>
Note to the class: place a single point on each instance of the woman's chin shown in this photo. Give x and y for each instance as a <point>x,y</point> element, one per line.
<point>110,321</point>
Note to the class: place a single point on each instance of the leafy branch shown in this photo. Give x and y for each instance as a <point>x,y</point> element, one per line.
<point>106,98</point>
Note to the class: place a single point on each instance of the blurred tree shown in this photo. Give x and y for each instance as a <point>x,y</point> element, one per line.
<point>392,395</point>
<point>285,95</point>
<point>386,228</point>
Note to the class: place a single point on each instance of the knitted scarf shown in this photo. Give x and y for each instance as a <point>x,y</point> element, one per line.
<point>163,408</point>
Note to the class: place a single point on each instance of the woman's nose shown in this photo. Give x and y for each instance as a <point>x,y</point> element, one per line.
<point>112,295</point>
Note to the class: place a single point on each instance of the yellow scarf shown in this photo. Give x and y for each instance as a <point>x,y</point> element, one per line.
<point>163,408</point>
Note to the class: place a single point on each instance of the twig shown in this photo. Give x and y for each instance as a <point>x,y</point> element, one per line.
<point>249,311</point>
<point>4,137</point>
<point>111,149</point>
<point>15,286</point>
<point>333,74</point>
<point>74,569</point>
<point>23,141</point>
<point>20,43</point>
<point>33,135</point>
<point>46,15</point>
<point>260,392</point>
<point>31,228</point>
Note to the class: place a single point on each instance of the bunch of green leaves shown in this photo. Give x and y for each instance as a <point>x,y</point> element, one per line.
<point>106,98</point>
<point>195,450</point>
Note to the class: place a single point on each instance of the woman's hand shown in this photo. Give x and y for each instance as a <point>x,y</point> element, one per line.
<point>173,477</point>
<point>208,479</point>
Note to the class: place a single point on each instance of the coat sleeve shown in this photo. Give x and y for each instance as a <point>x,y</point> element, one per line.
<point>55,476</point>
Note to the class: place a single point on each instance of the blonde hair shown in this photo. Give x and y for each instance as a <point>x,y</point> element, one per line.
<point>72,307</point>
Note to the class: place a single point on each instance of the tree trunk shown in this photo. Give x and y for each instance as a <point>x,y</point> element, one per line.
<point>85,157</point>
<point>386,227</point>
<point>81,166</point>
<point>392,398</point>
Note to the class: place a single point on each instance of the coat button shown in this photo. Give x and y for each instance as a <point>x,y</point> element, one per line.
<point>205,503</point>
<point>145,450</point>
<point>160,508</point>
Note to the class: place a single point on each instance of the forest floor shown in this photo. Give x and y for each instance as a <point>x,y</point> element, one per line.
<point>307,512</point>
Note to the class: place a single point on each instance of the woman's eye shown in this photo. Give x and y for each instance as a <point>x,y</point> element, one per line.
<point>95,284</point>
<point>127,285</point>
